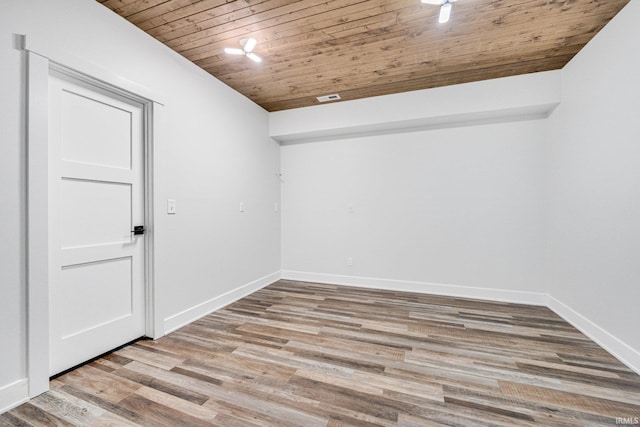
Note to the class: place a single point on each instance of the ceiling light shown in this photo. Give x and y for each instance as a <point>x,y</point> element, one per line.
<point>445,12</point>
<point>445,8</point>
<point>233,51</point>
<point>247,47</point>
<point>250,44</point>
<point>252,56</point>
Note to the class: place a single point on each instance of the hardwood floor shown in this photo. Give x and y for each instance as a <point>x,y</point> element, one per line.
<point>304,354</point>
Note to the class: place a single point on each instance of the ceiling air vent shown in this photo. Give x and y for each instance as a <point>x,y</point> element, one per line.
<point>327,98</point>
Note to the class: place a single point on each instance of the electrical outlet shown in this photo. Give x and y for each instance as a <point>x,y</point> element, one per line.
<point>350,208</point>
<point>276,209</point>
<point>350,262</point>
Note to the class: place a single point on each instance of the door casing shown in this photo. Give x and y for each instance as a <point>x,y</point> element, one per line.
<point>38,64</point>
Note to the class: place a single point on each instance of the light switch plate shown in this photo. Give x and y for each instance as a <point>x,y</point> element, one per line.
<point>171,206</point>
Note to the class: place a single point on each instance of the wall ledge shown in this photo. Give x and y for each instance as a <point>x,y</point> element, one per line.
<point>536,112</point>
<point>507,99</point>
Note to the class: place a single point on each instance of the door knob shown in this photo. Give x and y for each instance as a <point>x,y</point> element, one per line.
<point>137,230</point>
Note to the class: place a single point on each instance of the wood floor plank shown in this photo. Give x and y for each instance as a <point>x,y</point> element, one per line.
<point>117,411</point>
<point>163,386</point>
<point>102,384</point>
<point>597,406</point>
<point>11,420</point>
<point>309,354</point>
<point>159,414</point>
<point>35,416</point>
<point>67,407</point>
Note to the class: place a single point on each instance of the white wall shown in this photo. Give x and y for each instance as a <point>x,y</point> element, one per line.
<point>458,206</point>
<point>214,152</point>
<point>594,194</point>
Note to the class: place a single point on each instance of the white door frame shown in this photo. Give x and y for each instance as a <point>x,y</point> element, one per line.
<point>39,63</point>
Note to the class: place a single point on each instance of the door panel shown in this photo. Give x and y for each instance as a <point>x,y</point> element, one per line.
<point>96,175</point>
<point>109,281</point>
<point>95,132</point>
<point>94,212</point>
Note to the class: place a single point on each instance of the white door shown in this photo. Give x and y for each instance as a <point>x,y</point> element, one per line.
<point>96,198</point>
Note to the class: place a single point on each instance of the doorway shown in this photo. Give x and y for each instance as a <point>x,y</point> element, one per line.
<point>79,173</point>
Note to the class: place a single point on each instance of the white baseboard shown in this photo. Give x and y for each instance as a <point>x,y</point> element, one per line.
<point>519,297</point>
<point>189,315</point>
<point>14,394</point>
<point>621,351</point>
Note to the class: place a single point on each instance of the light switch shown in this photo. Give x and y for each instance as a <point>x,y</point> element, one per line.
<point>171,206</point>
<point>241,206</point>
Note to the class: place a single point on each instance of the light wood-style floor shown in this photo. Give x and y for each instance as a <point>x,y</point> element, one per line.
<point>303,354</point>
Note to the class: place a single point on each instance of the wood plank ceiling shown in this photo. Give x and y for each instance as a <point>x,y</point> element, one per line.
<point>364,48</point>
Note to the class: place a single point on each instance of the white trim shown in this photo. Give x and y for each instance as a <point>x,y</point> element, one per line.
<point>103,75</point>
<point>502,295</point>
<point>189,315</point>
<point>617,348</point>
<point>14,394</point>
<point>38,203</point>
<point>37,224</point>
<point>153,119</point>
